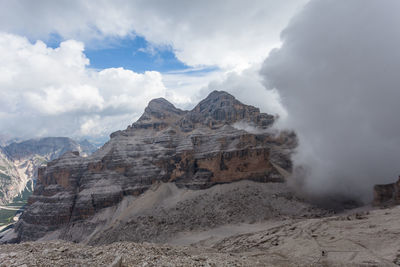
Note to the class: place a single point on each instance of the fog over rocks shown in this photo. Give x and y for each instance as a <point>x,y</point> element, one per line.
<point>337,73</point>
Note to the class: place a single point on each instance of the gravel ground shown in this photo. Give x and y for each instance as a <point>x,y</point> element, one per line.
<point>355,238</point>
<point>367,238</point>
<point>60,253</point>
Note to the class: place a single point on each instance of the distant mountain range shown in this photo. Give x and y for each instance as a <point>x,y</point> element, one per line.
<point>19,162</point>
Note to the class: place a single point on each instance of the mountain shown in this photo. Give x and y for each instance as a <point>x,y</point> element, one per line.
<point>6,139</point>
<point>19,162</point>
<point>10,181</point>
<point>76,198</point>
<point>49,147</point>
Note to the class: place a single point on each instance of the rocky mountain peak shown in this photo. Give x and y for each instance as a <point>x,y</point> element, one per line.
<point>160,108</point>
<point>220,108</point>
<point>160,104</point>
<point>217,99</point>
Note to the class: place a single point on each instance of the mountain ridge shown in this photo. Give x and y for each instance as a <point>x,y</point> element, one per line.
<point>194,149</point>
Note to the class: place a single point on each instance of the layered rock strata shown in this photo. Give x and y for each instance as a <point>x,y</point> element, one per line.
<point>194,149</point>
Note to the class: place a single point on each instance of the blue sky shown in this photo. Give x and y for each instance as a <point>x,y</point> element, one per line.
<point>131,52</point>
<point>135,54</point>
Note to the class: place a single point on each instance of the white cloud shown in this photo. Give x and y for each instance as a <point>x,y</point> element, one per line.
<point>46,91</point>
<point>247,87</point>
<point>231,35</point>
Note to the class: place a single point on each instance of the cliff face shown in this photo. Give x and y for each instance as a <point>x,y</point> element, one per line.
<point>194,149</point>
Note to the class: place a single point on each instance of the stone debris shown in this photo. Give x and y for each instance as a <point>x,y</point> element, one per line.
<point>329,241</point>
<point>117,262</point>
<point>52,253</point>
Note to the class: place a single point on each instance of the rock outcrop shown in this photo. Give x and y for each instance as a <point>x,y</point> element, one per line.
<point>194,149</point>
<point>387,194</point>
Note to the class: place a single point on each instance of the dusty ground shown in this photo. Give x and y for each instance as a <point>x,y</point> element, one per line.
<point>359,238</point>
<point>57,253</point>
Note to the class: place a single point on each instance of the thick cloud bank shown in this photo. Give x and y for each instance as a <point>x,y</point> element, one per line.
<point>338,74</point>
<point>51,92</point>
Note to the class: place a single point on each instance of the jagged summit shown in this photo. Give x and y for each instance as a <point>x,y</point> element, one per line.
<point>217,99</point>
<point>160,108</point>
<point>160,104</point>
<point>219,108</point>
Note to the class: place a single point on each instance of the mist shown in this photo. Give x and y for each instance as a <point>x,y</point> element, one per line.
<point>338,75</point>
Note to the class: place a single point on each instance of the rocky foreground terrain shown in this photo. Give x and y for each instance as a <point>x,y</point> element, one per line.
<point>357,238</point>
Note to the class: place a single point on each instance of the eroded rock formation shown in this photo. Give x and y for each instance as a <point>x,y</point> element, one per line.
<point>194,149</point>
<point>387,194</point>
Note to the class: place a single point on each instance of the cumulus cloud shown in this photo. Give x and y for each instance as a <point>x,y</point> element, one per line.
<point>337,74</point>
<point>213,32</point>
<point>51,91</point>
